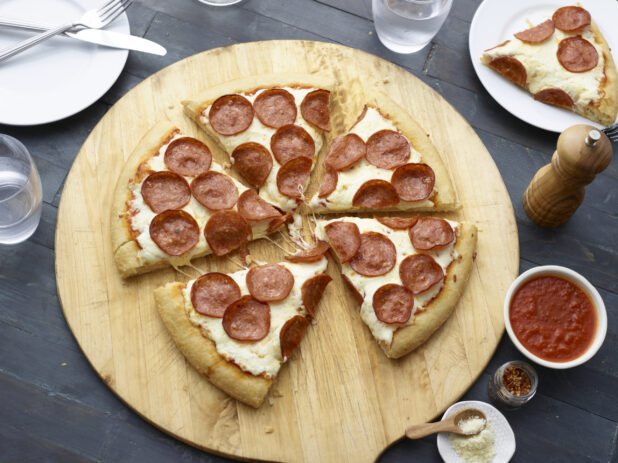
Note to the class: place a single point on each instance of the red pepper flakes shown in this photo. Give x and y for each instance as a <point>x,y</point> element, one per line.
<point>516,381</point>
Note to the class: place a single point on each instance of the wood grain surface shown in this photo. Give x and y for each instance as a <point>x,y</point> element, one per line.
<point>339,398</point>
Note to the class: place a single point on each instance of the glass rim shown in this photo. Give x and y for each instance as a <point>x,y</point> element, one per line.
<point>532,375</point>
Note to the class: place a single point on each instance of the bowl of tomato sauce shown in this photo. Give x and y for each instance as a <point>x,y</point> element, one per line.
<point>555,317</point>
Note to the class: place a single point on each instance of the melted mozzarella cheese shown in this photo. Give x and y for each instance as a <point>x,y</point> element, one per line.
<point>259,133</point>
<point>142,215</point>
<point>545,71</point>
<point>349,180</point>
<point>367,286</point>
<point>262,357</point>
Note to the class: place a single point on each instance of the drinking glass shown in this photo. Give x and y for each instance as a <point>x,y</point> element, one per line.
<point>219,2</point>
<point>20,192</point>
<point>406,26</point>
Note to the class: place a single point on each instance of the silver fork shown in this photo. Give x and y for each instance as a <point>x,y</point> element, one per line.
<point>612,132</point>
<point>96,18</point>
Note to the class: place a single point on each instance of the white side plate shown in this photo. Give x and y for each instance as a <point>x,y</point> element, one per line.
<point>497,20</point>
<point>60,77</point>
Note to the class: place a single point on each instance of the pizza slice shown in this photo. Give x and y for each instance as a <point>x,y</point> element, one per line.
<point>238,329</point>
<point>385,162</point>
<point>173,203</point>
<point>564,61</point>
<point>406,274</point>
<point>272,127</point>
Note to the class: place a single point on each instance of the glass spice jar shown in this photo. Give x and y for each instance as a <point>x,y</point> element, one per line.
<point>513,384</point>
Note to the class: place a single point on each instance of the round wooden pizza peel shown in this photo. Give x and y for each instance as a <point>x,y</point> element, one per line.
<point>339,398</point>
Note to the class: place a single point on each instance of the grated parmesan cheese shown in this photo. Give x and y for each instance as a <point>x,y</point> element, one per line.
<point>478,448</point>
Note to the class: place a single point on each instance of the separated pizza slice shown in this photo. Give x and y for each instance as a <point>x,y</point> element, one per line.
<point>385,162</point>
<point>406,274</point>
<point>238,329</point>
<point>564,61</point>
<point>173,203</point>
<point>271,126</point>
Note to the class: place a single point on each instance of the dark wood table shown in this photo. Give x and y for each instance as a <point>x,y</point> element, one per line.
<point>54,407</point>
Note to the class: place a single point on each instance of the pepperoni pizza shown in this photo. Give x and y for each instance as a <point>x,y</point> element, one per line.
<point>238,329</point>
<point>272,132</point>
<point>564,61</point>
<point>173,203</point>
<point>406,274</point>
<point>384,163</point>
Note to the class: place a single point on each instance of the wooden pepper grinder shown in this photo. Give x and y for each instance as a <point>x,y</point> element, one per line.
<point>557,189</point>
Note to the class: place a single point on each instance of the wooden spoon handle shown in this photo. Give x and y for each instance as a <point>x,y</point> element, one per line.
<point>421,430</point>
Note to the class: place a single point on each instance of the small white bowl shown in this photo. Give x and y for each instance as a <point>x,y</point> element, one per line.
<point>504,438</point>
<point>585,286</point>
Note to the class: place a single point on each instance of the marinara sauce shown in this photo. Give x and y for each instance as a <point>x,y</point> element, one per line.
<point>553,318</point>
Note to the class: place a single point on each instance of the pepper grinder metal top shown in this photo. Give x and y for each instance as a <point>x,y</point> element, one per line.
<point>557,189</point>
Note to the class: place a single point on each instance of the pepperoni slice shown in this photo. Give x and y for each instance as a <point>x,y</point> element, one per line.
<point>254,162</point>
<point>393,304</point>
<point>376,194</point>
<point>329,182</point>
<point>312,291</point>
<point>358,297</point>
<point>571,18</point>
<point>255,209</point>
<point>556,97</point>
<point>290,142</point>
<point>212,293</point>
<point>538,33</point>
<point>275,107</point>
<point>292,177</point>
<point>279,221</point>
<point>345,239</point>
<point>231,115</point>
<point>388,149</point>
<point>291,335</point>
<point>215,191</point>
<point>165,190</point>
<point>175,232</point>
<point>419,272</point>
<point>576,54</point>
<point>413,182</point>
<point>511,68</point>
<point>226,231</point>
<point>314,109</point>
<point>247,320</point>
<point>431,233</point>
<point>310,255</point>
<point>346,151</point>
<point>398,223</point>
<point>376,255</point>
<point>270,282</point>
<point>187,156</point>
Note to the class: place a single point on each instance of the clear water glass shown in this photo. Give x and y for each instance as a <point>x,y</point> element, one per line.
<point>406,26</point>
<point>20,192</point>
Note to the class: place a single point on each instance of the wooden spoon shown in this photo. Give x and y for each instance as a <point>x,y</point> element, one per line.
<point>450,424</point>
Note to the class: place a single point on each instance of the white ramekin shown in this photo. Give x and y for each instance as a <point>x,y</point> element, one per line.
<point>582,283</point>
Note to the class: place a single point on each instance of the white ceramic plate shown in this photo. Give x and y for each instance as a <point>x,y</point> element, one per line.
<point>60,77</point>
<point>497,20</point>
<point>504,438</point>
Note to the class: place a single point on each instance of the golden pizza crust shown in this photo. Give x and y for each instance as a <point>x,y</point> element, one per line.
<point>201,352</point>
<point>604,111</point>
<point>426,322</point>
<point>194,107</point>
<point>444,198</point>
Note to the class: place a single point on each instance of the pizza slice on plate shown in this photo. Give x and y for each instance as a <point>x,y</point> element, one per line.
<point>564,61</point>
<point>173,202</point>
<point>272,127</point>
<point>385,162</point>
<point>238,329</point>
<point>406,274</point>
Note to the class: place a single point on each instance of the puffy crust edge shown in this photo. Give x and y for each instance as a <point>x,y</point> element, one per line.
<point>201,352</point>
<point>426,322</point>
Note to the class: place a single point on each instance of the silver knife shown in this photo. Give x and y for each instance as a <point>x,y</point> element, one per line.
<point>100,37</point>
